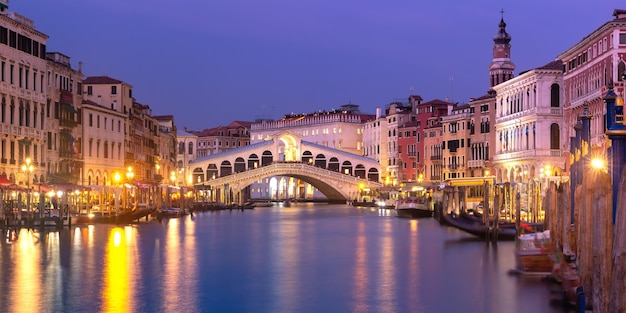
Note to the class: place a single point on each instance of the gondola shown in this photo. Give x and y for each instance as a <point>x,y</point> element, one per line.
<point>478,228</point>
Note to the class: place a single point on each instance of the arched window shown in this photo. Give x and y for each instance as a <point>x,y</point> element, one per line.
<point>555,141</point>
<point>555,96</point>
<point>190,144</point>
<point>621,67</point>
<point>181,147</point>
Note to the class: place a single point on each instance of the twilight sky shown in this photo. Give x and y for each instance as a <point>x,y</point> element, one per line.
<point>210,62</point>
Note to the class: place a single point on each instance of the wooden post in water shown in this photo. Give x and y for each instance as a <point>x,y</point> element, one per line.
<point>565,218</point>
<point>584,254</point>
<point>602,242</point>
<point>548,208</point>
<point>491,220</point>
<point>618,268</point>
<point>575,232</point>
<point>518,211</point>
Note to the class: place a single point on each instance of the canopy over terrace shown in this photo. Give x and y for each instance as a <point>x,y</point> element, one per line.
<point>4,181</point>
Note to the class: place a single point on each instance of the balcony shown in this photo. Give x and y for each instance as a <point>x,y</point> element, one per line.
<point>528,154</point>
<point>435,157</point>
<point>476,163</point>
<point>67,123</point>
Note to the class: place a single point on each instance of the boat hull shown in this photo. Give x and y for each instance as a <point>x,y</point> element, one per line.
<point>413,213</point>
<point>534,261</point>
<point>479,229</point>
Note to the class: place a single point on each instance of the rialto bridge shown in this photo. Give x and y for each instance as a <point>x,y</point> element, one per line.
<point>284,167</point>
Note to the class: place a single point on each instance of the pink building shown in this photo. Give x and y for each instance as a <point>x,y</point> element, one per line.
<point>590,65</point>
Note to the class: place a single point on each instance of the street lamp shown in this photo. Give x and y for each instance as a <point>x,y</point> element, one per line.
<point>159,199</point>
<point>27,168</point>
<point>173,183</point>
<point>60,197</point>
<point>116,178</point>
<point>129,177</point>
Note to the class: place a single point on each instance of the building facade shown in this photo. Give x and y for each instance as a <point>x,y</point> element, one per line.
<point>589,66</point>
<point>25,109</point>
<point>64,90</point>
<point>530,130</point>
<point>106,108</point>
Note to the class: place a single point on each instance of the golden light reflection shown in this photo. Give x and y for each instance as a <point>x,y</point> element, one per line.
<point>172,266</point>
<point>289,251</point>
<point>414,224</point>
<point>116,294</point>
<point>387,297</point>
<point>25,291</point>
<point>361,274</point>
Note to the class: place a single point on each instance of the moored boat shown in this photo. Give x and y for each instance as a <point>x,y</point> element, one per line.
<point>261,203</point>
<point>479,229</point>
<point>413,207</point>
<point>533,253</point>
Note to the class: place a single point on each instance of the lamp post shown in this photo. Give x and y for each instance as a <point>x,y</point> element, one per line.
<point>60,204</point>
<point>129,177</point>
<point>27,168</point>
<point>160,196</point>
<point>173,183</point>
<point>116,178</point>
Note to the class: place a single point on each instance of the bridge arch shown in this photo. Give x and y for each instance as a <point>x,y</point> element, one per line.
<point>286,147</point>
<point>240,165</point>
<point>226,168</point>
<point>253,161</point>
<point>267,158</point>
<point>336,187</point>
<point>346,167</point>
<point>333,164</point>
<point>320,160</point>
<point>212,172</point>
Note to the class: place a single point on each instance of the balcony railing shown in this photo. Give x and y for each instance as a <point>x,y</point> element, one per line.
<point>476,163</point>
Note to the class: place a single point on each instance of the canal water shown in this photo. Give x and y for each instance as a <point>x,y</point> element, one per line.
<point>303,258</point>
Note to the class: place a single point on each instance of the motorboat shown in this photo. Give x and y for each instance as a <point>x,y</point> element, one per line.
<point>413,207</point>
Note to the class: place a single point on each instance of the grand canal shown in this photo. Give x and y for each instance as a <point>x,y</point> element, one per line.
<point>304,258</point>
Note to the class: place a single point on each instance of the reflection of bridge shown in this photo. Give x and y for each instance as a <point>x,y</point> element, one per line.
<point>335,173</point>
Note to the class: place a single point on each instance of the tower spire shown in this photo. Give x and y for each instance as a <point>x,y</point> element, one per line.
<point>501,68</point>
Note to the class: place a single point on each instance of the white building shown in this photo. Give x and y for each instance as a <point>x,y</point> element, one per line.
<point>340,129</point>
<point>105,110</point>
<point>186,153</point>
<point>530,129</point>
<point>24,109</point>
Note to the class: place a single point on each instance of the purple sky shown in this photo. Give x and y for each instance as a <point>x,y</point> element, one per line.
<point>209,62</point>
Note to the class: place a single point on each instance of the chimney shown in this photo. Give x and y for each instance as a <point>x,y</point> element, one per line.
<point>378,112</point>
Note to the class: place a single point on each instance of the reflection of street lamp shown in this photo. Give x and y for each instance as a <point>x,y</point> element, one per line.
<point>27,168</point>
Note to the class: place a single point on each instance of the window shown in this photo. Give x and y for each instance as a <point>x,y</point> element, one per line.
<point>113,90</point>
<point>90,90</point>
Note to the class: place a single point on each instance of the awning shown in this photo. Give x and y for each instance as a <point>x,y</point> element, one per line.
<point>4,181</point>
<point>68,107</point>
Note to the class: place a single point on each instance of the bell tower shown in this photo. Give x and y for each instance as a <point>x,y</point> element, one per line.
<point>501,68</point>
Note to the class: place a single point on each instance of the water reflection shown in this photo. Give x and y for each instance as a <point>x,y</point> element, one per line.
<point>26,290</point>
<point>361,274</point>
<point>303,258</point>
<point>117,294</point>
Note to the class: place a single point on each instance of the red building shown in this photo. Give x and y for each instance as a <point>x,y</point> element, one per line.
<point>411,136</point>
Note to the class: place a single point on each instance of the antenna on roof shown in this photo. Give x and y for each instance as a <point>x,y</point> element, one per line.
<point>451,87</point>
